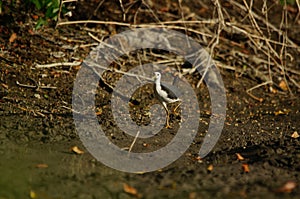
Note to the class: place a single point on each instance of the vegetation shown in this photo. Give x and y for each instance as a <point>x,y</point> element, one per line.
<point>50,9</point>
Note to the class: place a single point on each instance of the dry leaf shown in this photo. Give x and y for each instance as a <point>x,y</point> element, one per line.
<point>76,150</point>
<point>280,112</point>
<point>291,9</point>
<point>41,166</point>
<point>203,10</point>
<point>55,74</point>
<point>295,135</point>
<point>145,144</point>
<point>35,17</point>
<point>192,195</point>
<point>99,111</point>
<point>30,31</point>
<point>287,187</point>
<point>246,168</point>
<point>32,194</point>
<point>198,159</point>
<point>129,189</point>
<point>13,37</point>
<point>131,104</point>
<point>239,156</point>
<point>210,167</point>
<point>273,90</point>
<point>164,9</point>
<point>283,85</point>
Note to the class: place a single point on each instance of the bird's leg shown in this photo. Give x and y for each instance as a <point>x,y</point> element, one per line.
<point>168,116</point>
<point>175,109</point>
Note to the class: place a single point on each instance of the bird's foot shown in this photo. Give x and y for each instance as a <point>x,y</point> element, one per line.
<point>168,126</point>
<point>175,110</point>
<point>176,113</point>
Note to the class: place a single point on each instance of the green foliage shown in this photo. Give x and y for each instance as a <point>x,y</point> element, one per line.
<point>50,9</point>
<point>0,6</point>
<point>288,2</point>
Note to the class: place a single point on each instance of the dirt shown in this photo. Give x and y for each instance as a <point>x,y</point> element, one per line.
<point>37,128</point>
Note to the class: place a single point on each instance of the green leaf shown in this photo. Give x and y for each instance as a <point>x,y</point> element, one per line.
<point>37,3</point>
<point>40,23</point>
<point>288,2</point>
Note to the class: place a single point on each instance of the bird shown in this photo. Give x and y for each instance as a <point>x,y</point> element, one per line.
<point>165,95</point>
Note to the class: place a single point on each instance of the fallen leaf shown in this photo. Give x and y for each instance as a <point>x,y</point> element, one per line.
<point>145,144</point>
<point>273,90</point>
<point>131,104</point>
<point>203,10</point>
<point>282,112</point>
<point>192,195</point>
<point>13,37</point>
<point>99,111</point>
<point>55,74</point>
<point>246,168</point>
<point>35,17</point>
<point>129,189</point>
<point>283,85</point>
<point>239,156</point>
<point>76,67</point>
<point>41,166</point>
<point>198,159</point>
<point>291,9</point>
<point>164,9</point>
<point>287,187</point>
<point>32,194</point>
<point>295,135</point>
<point>30,31</point>
<point>76,150</point>
<point>210,167</point>
<point>279,112</point>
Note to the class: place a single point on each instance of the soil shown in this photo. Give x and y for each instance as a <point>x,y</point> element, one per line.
<point>37,130</point>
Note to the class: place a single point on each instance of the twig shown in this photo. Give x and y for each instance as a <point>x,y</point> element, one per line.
<point>36,86</point>
<point>261,48</point>
<point>133,142</point>
<point>248,33</point>
<point>68,1</point>
<point>96,10</point>
<point>47,87</point>
<point>96,38</point>
<point>71,109</point>
<point>183,19</point>
<point>94,22</point>
<point>26,85</point>
<point>60,10</point>
<point>283,51</point>
<point>35,113</point>
<point>123,10</point>
<point>137,26</point>
<point>298,5</point>
<point>254,97</point>
<point>216,38</point>
<point>255,87</point>
<point>124,73</point>
<point>294,82</point>
<point>265,22</point>
<point>152,12</point>
<point>75,63</point>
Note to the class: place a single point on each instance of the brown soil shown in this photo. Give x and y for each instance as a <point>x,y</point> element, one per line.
<point>37,127</point>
